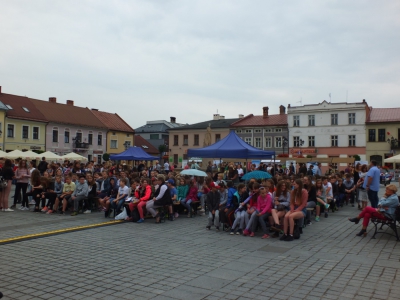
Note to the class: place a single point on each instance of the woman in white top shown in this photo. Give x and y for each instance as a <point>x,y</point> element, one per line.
<point>240,172</point>
<point>362,193</point>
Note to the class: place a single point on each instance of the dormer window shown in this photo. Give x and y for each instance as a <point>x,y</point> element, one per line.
<point>25,109</point>
<point>9,106</point>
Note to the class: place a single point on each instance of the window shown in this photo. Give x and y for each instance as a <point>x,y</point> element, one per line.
<point>55,135</point>
<point>25,109</point>
<point>352,118</point>
<point>128,135</point>
<point>114,144</point>
<point>268,130</point>
<point>217,137</point>
<point>352,140</point>
<point>9,106</point>
<point>66,137</point>
<point>296,121</point>
<point>154,136</point>
<point>99,157</point>
<point>196,140</point>
<point>371,135</point>
<point>238,131</point>
<point>176,140</point>
<point>35,133</point>
<point>113,133</point>
<point>296,141</point>
<point>268,142</point>
<point>25,132</point>
<point>311,120</point>
<point>278,130</point>
<point>257,130</point>
<point>99,139</point>
<point>381,135</point>
<point>311,141</point>
<point>10,130</point>
<point>90,138</point>
<point>248,131</point>
<point>334,140</point>
<point>257,142</point>
<point>248,140</point>
<point>278,141</point>
<point>334,119</point>
<point>185,140</point>
<point>89,157</point>
<point>79,137</point>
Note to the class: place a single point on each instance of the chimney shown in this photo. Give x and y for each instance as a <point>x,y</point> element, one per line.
<point>173,120</point>
<point>53,99</point>
<point>288,106</point>
<point>70,102</point>
<point>363,99</point>
<point>95,109</point>
<point>265,111</point>
<point>241,116</point>
<point>222,117</point>
<point>216,117</point>
<point>282,110</point>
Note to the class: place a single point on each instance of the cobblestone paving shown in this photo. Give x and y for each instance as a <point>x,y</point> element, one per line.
<point>181,260</point>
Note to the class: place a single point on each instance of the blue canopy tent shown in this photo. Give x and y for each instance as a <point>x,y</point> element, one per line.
<point>133,153</point>
<point>232,146</point>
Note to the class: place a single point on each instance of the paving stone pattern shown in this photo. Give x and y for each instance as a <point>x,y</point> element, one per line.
<point>182,260</point>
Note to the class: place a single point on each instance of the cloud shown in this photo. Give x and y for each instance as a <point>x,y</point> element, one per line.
<point>149,60</point>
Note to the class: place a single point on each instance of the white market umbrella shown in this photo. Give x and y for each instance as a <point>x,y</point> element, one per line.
<point>14,154</point>
<point>3,154</point>
<point>30,155</point>
<point>393,159</point>
<point>194,172</point>
<point>51,156</point>
<point>73,156</point>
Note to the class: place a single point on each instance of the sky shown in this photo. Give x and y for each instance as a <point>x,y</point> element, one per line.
<point>150,60</point>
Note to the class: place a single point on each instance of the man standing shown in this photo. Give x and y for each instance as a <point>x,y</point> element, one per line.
<point>371,184</point>
<point>42,167</point>
<point>166,167</point>
<point>318,170</point>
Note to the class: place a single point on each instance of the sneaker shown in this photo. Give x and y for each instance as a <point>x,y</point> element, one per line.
<point>265,236</point>
<point>8,209</point>
<point>327,205</point>
<point>188,215</point>
<point>289,238</point>
<point>75,213</point>
<point>33,202</point>
<point>140,221</point>
<point>45,209</point>
<point>217,228</point>
<point>246,232</point>
<point>21,208</point>
<point>232,232</point>
<point>283,237</point>
<point>239,232</point>
<point>252,234</point>
<point>25,208</point>
<point>49,212</point>
<point>277,228</point>
<point>88,211</point>
<point>208,227</point>
<point>316,219</point>
<point>202,211</point>
<point>326,214</point>
<point>176,215</point>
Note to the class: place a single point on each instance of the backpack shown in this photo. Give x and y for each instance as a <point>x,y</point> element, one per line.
<point>135,215</point>
<point>296,232</point>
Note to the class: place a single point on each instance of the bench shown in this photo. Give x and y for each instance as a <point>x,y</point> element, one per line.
<point>389,222</point>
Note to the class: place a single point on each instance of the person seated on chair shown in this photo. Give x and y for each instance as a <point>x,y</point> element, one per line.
<point>162,197</point>
<point>321,199</point>
<point>241,216</point>
<point>80,193</point>
<point>68,189</point>
<point>142,194</point>
<point>92,193</point>
<point>349,188</point>
<point>281,200</point>
<point>58,189</point>
<point>111,193</point>
<point>298,203</point>
<point>386,209</point>
<point>182,192</point>
<point>228,215</point>
<point>118,202</point>
<point>190,197</point>
<point>174,197</point>
<point>213,199</point>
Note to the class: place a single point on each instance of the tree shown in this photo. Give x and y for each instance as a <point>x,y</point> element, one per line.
<point>162,149</point>
<point>357,157</point>
<point>106,156</point>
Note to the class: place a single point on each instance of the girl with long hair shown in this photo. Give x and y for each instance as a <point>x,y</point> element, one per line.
<point>7,174</point>
<point>22,175</point>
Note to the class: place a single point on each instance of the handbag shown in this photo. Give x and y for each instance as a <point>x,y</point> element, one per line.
<point>3,184</point>
<point>280,207</point>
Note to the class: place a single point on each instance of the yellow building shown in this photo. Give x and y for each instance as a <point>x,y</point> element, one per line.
<point>120,135</point>
<point>383,134</point>
<point>3,110</point>
<point>24,125</point>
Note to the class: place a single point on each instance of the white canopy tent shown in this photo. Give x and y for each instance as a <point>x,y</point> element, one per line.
<point>30,155</point>
<point>50,156</point>
<point>3,154</point>
<point>393,159</point>
<point>14,154</point>
<point>74,156</point>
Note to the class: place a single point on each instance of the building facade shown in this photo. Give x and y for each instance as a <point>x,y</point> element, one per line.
<point>265,132</point>
<point>3,111</point>
<point>120,136</point>
<point>328,129</point>
<point>383,134</point>
<point>72,129</point>
<point>24,124</point>
<point>194,136</point>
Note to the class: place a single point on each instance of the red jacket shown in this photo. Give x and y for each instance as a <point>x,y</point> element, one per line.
<point>264,205</point>
<point>145,195</point>
<point>192,195</point>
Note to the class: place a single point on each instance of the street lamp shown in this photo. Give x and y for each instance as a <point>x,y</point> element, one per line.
<point>284,143</point>
<point>126,145</point>
<point>393,143</point>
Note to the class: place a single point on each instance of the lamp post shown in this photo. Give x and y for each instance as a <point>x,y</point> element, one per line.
<point>300,143</point>
<point>284,143</point>
<point>126,145</point>
<point>393,143</point>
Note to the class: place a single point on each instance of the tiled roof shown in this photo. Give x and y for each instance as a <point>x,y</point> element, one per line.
<point>252,120</point>
<point>112,121</point>
<point>68,114</point>
<point>146,146</point>
<point>18,112</point>
<point>223,123</point>
<point>381,115</point>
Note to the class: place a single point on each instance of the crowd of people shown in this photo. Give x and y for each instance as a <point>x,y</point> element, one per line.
<point>281,205</point>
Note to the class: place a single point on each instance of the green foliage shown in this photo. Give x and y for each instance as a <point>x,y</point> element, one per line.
<point>357,157</point>
<point>106,157</point>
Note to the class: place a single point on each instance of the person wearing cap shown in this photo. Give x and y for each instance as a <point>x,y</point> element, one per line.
<point>174,197</point>
<point>213,199</point>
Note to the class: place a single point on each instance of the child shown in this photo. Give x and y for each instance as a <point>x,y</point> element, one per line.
<point>213,198</point>
<point>68,189</point>
<point>117,202</point>
<point>231,205</point>
<point>321,194</point>
<point>264,206</point>
<point>241,215</point>
<point>81,191</point>
<point>252,209</point>
<point>182,192</point>
<point>191,196</point>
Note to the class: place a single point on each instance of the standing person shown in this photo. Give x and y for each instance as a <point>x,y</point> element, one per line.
<point>7,174</point>
<point>166,167</point>
<point>362,193</point>
<point>213,200</point>
<point>303,169</point>
<point>22,175</point>
<point>310,171</point>
<point>42,167</point>
<point>371,183</point>
<point>318,170</point>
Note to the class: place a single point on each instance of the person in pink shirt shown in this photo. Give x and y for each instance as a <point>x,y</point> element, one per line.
<point>298,203</point>
<point>191,196</point>
<point>264,207</point>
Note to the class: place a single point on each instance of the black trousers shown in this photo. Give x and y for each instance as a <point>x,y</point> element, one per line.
<point>21,186</point>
